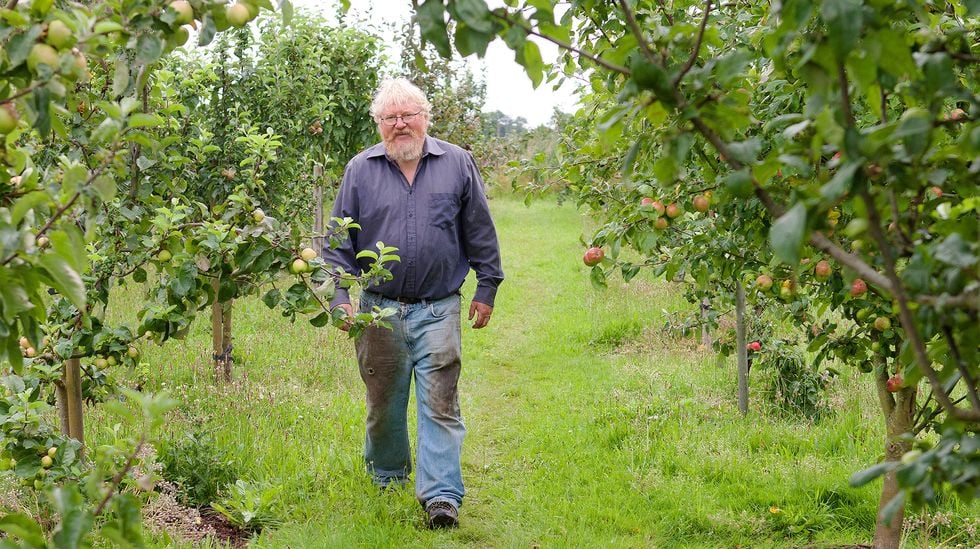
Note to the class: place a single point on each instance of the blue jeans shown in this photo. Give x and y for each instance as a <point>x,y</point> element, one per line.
<point>424,342</point>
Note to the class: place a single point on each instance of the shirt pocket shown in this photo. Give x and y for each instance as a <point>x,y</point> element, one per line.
<point>443,210</point>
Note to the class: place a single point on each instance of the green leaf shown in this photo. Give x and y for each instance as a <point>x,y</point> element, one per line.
<point>475,14</point>
<point>956,252</point>
<point>739,183</point>
<point>25,204</point>
<point>893,506</point>
<point>863,477</point>
<point>19,46</point>
<point>149,48</point>
<point>208,30</point>
<point>651,76</point>
<point>105,187</point>
<point>320,320</point>
<point>64,279</point>
<point>470,41</point>
<point>286,7</point>
<point>76,521</point>
<point>530,58</point>
<point>120,77</point>
<point>23,527</point>
<point>271,298</point>
<point>786,234</point>
<point>844,21</point>
<point>144,120</point>
<point>433,26</point>
<point>840,184</point>
<point>915,130</point>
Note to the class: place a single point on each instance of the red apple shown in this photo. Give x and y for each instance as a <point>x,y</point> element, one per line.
<point>764,282</point>
<point>882,323</point>
<point>700,203</point>
<point>661,223</point>
<point>647,201</point>
<point>822,270</point>
<point>658,206</point>
<point>956,114</point>
<point>754,346</point>
<point>673,210</point>
<point>894,383</point>
<point>859,287</point>
<point>593,256</point>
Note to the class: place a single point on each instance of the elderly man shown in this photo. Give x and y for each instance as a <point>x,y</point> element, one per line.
<point>424,196</point>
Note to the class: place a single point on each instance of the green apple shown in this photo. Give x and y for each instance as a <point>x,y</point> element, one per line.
<point>238,15</point>
<point>59,35</point>
<point>43,54</point>
<point>8,118</point>
<point>184,10</point>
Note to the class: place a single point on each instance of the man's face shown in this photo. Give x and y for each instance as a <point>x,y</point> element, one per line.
<point>403,140</point>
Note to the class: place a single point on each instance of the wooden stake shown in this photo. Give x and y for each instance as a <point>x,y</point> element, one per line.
<point>73,400</point>
<point>740,351</point>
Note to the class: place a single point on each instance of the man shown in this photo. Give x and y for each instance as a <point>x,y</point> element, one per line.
<point>425,197</point>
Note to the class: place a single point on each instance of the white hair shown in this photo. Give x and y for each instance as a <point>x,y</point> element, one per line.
<point>395,91</point>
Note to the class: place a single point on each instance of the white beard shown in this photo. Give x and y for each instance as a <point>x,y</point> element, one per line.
<point>405,151</point>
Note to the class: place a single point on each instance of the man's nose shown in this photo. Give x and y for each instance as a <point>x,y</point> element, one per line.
<point>400,122</point>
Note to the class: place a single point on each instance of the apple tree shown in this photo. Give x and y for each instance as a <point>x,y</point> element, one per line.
<point>870,111</point>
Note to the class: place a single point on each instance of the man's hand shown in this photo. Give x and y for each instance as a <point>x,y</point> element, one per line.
<point>350,313</point>
<point>482,312</point>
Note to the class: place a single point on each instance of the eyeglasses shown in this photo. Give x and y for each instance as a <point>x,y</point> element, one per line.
<point>393,119</point>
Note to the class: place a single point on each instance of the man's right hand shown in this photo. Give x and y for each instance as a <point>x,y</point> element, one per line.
<point>350,314</point>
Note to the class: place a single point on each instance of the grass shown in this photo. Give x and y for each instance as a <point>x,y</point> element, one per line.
<point>587,426</point>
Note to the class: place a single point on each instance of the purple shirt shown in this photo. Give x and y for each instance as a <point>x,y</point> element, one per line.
<point>440,224</point>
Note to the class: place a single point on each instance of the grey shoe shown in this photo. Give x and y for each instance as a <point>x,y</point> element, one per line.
<point>442,514</point>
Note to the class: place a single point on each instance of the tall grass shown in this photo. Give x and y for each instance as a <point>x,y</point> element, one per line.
<point>587,426</point>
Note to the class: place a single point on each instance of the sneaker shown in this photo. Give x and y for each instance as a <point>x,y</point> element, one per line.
<point>442,514</point>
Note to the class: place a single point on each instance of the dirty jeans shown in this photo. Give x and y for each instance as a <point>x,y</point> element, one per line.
<point>424,342</point>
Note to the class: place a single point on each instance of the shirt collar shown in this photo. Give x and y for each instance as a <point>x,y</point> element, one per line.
<point>431,146</point>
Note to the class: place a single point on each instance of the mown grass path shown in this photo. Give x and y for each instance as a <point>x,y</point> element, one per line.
<point>587,426</point>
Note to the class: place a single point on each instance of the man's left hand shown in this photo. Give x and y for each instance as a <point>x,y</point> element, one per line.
<point>482,312</point>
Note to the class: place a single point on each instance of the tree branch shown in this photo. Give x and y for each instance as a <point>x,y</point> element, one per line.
<point>563,45</point>
<point>637,32</point>
<point>971,384</point>
<point>697,46</point>
<point>908,322</point>
<point>663,8</point>
<point>118,477</point>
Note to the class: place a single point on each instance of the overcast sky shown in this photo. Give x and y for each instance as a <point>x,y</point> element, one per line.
<point>508,87</point>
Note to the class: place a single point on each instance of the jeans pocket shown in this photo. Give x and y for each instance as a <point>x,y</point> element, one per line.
<point>445,308</point>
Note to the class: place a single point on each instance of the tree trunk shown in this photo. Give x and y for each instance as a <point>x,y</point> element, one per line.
<point>899,411</point>
<point>740,352</point>
<point>73,399</point>
<point>222,362</point>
